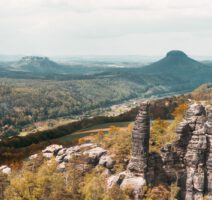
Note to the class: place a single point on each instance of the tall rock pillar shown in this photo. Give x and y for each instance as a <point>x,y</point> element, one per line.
<point>208,128</point>
<point>195,157</point>
<point>140,141</point>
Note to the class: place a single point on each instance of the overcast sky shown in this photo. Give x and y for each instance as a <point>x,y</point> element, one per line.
<point>105,27</point>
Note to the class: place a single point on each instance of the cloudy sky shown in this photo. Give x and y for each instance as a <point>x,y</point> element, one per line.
<point>105,27</point>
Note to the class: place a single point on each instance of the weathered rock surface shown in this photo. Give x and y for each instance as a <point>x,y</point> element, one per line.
<point>94,154</point>
<point>32,157</point>
<point>107,161</point>
<point>187,161</point>
<point>128,180</point>
<point>140,141</point>
<point>91,153</point>
<point>190,156</point>
<point>51,150</point>
<point>134,176</point>
<point>5,169</point>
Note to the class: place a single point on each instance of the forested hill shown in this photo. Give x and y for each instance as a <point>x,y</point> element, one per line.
<point>175,62</point>
<point>176,70</point>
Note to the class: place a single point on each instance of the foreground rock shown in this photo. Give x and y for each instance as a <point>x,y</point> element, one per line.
<point>106,161</point>
<point>91,153</point>
<point>190,156</point>
<point>51,150</point>
<point>187,161</point>
<point>140,142</point>
<point>134,177</point>
<point>5,169</point>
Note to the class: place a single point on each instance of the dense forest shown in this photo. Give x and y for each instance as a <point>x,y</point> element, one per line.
<point>23,102</point>
<point>26,101</point>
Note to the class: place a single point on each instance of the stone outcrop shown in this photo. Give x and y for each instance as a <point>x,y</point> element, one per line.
<point>134,176</point>
<point>5,169</point>
<point>89,153</point>
<point>195,157</point>
<point>190,157</point>
<point>51,150</point>
<point>140,141</point>
<point>187,161</point>
<point>106,161</point>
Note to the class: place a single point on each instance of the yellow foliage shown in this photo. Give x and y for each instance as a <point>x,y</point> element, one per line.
<point>115,193</point>
<point>159,135</point>
<point>46,183</point>
<point>100,135</point>
<point>163,131</point>
<point>93,187</point>
<point>81,140</point>
<point>159,192</point>
<point>180,111</point>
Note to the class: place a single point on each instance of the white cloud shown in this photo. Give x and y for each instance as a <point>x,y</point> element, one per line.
<point>104,26</point>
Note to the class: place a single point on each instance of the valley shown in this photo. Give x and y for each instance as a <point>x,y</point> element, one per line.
<point>90,114</point>
<point>105,100</point>
<point>36,89</point>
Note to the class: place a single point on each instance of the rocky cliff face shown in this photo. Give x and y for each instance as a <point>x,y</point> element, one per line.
<point>188,161</point>
<point>195,156</point>
<point>190,157</point>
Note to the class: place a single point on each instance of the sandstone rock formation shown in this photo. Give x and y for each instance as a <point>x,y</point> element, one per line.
<point>190,157</point>
<point>134,176</point>
<point>187,161</point>
<point>5,169</point>
<point>140,141</point>
<point>89,152</point>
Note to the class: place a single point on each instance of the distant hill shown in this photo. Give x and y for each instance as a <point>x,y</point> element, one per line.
<point>37,64</point>
<point>181,69</point>
<point>175,62</point>
<point>207,62</point>
<point>176,72</point>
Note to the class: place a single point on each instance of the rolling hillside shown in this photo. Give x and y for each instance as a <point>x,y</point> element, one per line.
<point>63,91</point>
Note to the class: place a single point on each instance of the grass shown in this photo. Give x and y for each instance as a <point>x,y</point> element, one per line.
<point>92,131</point>
<point>107,125</point>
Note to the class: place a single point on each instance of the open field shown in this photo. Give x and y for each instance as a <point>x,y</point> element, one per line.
<point>92,130</point>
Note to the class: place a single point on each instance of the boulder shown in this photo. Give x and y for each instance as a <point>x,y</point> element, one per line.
<point>32,157</point>
<point>87,145</point>
<point>60,158</point>
<point>48,155</point>
<point>61,152</point>
<point>135,183</point>
<point>5,169</point>
<point>116,179</point>
<point>94,155</point>
<point>106,161</point>
<point>73,149</point>
<point>61,167</point>
<point>52,149</point>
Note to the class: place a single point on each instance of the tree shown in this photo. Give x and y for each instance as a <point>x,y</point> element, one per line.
<point>159,134</point>
<point>46,183</point>
<point>115,193</point>
<point>93,187</point>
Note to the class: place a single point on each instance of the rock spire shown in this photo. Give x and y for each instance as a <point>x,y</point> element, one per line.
<point>140,141</point>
